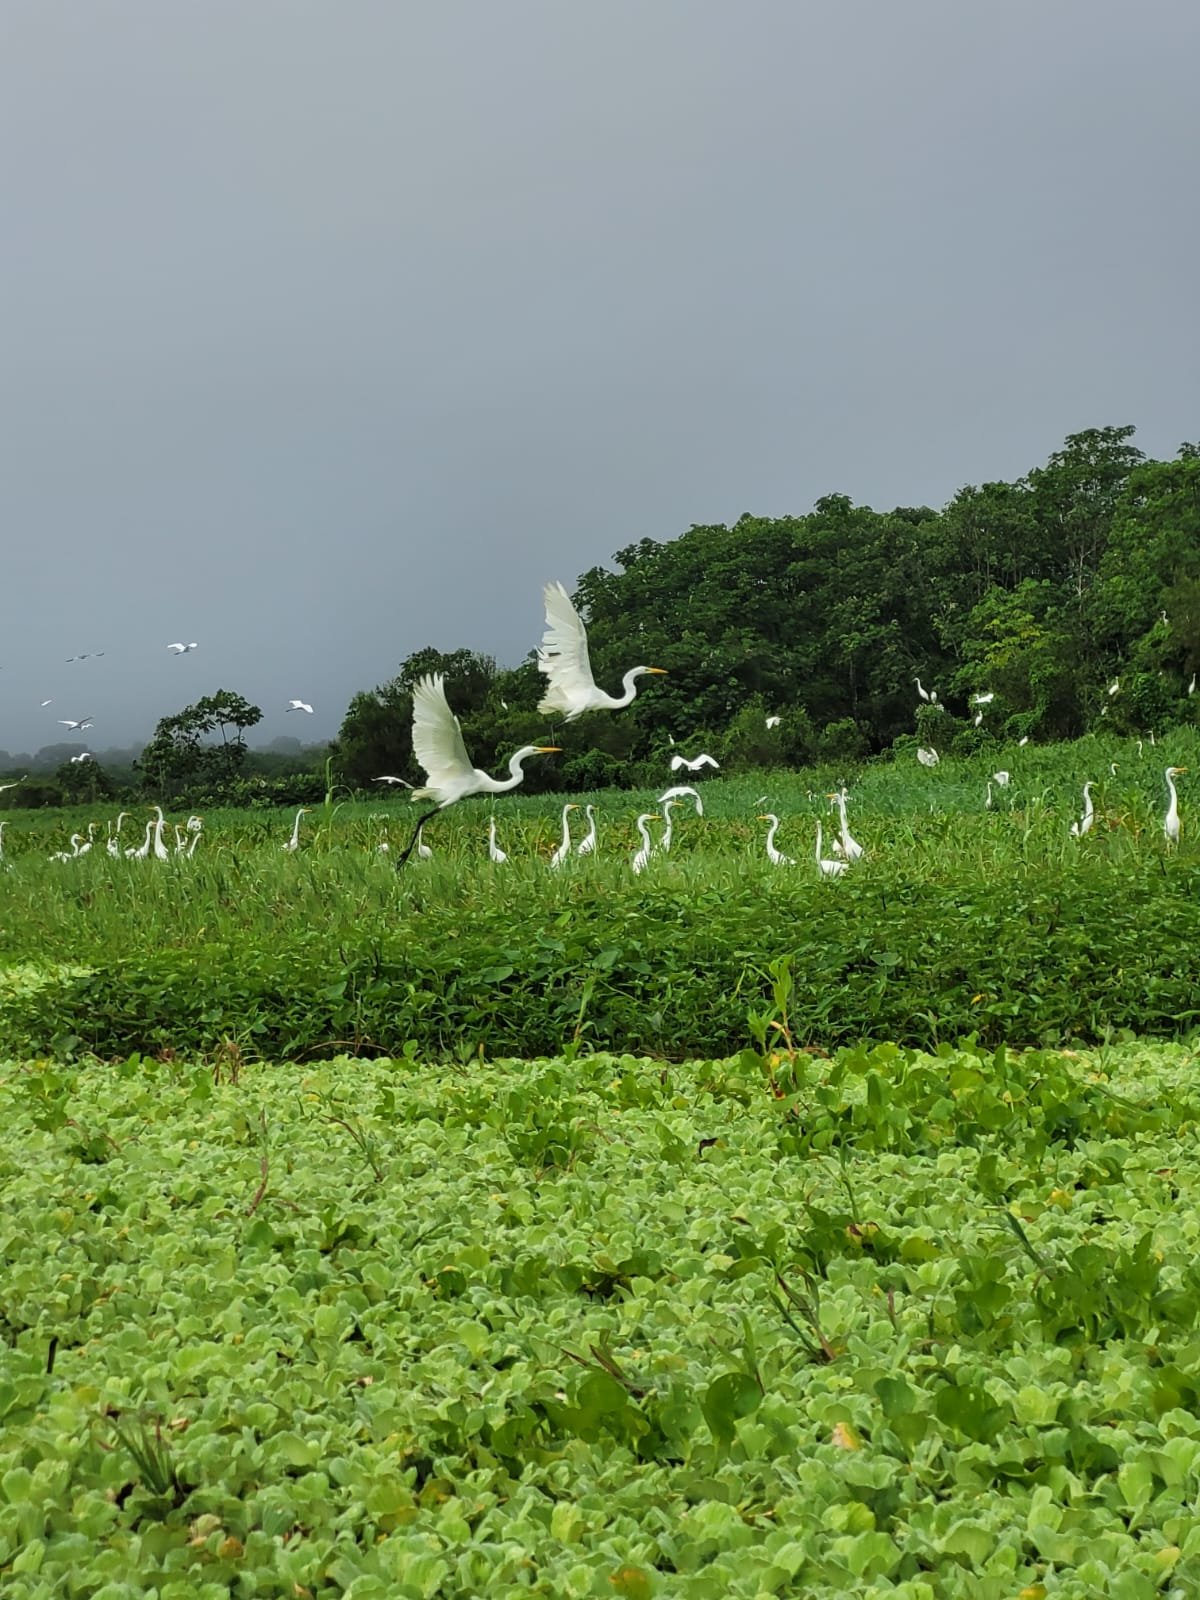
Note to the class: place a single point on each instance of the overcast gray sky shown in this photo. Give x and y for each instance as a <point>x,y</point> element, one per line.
<point>333,330</point>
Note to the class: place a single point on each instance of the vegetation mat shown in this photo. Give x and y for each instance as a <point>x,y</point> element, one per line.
<point>886,1324</point>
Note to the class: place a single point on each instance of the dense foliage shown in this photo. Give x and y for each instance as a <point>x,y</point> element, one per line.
<point>886,1327</point>
<point>1042,592</point>
<point>960,920</point>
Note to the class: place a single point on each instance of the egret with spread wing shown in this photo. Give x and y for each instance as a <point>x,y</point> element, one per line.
<point>563,659</point>
<point>438,745</point>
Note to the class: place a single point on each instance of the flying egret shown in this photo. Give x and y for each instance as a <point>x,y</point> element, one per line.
<point>75,727</point>
<point>84,755</point>
<point>827,868</point>
<point>42,704</point>
<point>564,848</point>
<point>682,791</point>
<point>773,722</point>
<point>1084,825</point>
<point>1171,820</point>
<point>294,842</point>
<point>587,845</point>
<point>851,848</point>
<point>681,763</point>
<point>563,658</point>
<point>983,699</point>
<point>182,649</point>
<point>438,746</point>
<point>927,758</point>
<point>647,850</point>
<point>774,856</point>
<point>1002,778</point>
<point>494,850</point>
<point>387,778</point>
<point>298,705</point>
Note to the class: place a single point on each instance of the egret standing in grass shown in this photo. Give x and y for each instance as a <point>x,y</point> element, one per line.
<point>1171,820</point>
<point>827,868</point>
<point>294,842</point>
<point>563,659</point>
<point>438,745</point>
<point>564,846</point>
<point>1084,825</point>
<point>774,856</point>
<point>587,845</point>
<point>494,851</point>
<point>683,791</point>
<point>647,850</point>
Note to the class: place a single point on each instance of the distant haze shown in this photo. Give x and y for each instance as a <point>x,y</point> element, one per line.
<point>332,331</point>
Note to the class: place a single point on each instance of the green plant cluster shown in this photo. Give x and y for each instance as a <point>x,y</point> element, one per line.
<point>888,1325</point>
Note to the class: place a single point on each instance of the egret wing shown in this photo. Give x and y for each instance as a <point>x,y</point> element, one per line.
<point>563,655</point>
<point>436,735</point>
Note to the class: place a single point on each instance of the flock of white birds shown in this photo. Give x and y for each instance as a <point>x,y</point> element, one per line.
<point>571,690</point>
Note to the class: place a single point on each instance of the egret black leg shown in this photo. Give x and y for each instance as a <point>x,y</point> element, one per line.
<point>412,843</point>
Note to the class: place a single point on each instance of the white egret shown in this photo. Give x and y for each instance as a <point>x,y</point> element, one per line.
<point>664,843</point>
<point>1084,825</point>
<point>774,856</point>
<point>987,802</point>
<point>1171,820</point>
<point>1192,685</point>
<point>1023,741</point>
<point>438,745</point>
<point>87,844</point>
<point>827,868</point>
<point>182,649</point>
<point>978,718</point>
<point>294,842</point>
<point>773,722</point>
<point>180,839</point>
<point>850,847</point>
<point>983,699</point>
<point>114,839</point>
<point>160,850</point>
<point>563,659</point>
<point>140,852</point>
<point>424,853</point>
<point>922,692</point>
<point>387,778</point>
<point>84,755</point>
<point>1002,779</point>
<point>564,847</point>
<point>587,845</point>
<point>494,850</point>
<point>682,791</point>
<point>191,849</point>
<point>44,703</point>
<point>647,850</point>
<point>1114,687</point>
<point>75,727</point>
<point>927,758</point>
<point>15,784</point>
<point>69,855</point>
<point>679,763</point>
<point>298,705</point>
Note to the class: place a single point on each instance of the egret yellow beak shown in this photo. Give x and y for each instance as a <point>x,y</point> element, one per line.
<point>662,671</point>
<point>762,817</point>
<point>548,749</point>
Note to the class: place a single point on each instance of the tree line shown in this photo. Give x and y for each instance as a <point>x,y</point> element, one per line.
<point>1071,596</point>
<point>1044,592</point>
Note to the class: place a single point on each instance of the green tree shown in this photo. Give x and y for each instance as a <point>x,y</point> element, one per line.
<point>185,761</point>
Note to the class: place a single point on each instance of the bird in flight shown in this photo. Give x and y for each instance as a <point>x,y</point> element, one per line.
<point>563,658</point>
<point>694,766</point>
<point>387,778</point>
<point>299,705</point>
<point>75,727</point>
<point>182,649</point>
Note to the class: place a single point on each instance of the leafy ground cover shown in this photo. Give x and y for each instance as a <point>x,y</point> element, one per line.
<point>881,1325</point>
<point>960,920</point>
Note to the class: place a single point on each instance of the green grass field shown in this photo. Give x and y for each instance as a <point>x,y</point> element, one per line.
<point>493,1230</point>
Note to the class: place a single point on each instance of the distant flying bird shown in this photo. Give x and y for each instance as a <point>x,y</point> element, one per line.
<point>182,649</point>
<point>46,703</point>
<point>387,778</point>
<point>438,745</point>
<point>927,758</point>
<point>678,762</point>
<point>299,705</point>
<point>983,699</point>
<point>773,722</point>
<point>75,727</point>
<point>84,755</point>
<point>563,658</point>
